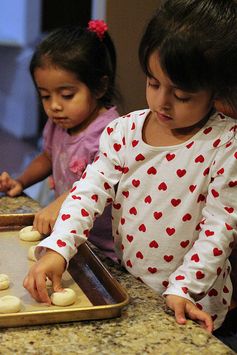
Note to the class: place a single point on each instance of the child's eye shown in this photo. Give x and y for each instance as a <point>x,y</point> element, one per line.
<point>154,85</point>
<point>182,99</point>
<point>44,97</point>
<point>68,96</point>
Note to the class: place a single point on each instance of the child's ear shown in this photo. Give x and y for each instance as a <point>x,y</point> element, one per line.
<point>104,82</point>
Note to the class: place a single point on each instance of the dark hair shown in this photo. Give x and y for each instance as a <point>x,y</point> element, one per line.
<point>80,51</point>
<point>197,45</point>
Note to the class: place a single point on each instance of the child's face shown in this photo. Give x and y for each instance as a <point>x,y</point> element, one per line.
<point>173,108</point>
<point>66,101</point>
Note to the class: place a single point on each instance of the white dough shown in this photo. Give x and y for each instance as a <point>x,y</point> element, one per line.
<point>64,298</point>
<point>4,282</point>
<point>29,235</point>
<point>10,304</point>
<point>31,253</point>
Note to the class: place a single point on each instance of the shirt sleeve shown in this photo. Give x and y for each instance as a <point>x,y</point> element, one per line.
<point>205,260</point>
<point>88,196</point>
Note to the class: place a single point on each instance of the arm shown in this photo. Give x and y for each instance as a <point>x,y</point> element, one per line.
<point>87,199</point>
<point>36,171</point>
<point>203,263</point>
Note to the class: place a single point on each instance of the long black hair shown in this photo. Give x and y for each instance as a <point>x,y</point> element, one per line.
<point>80,51</point>
<point>197,45</point>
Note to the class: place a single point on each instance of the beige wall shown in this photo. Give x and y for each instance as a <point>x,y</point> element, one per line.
<point>126,20</point>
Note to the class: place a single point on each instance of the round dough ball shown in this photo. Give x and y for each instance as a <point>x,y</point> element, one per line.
<point>29,235</point>
<point>65,298</point>
<point>31,253</point>
<point>10,304</point>
<point>4,282</point>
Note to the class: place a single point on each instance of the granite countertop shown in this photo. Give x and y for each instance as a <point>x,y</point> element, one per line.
<point>145,327</point>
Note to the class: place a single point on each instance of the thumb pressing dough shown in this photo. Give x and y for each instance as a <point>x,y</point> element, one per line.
<point>10,304</point>
<point>29,235</point>
<point>65,298</point>
<point>4,282</point>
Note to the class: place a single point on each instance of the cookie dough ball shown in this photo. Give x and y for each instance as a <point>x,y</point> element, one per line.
<point>65,298</point>
<point>4,282</point>
<point>10,304</point>
<point>29,235</point>
<point>31,253</point>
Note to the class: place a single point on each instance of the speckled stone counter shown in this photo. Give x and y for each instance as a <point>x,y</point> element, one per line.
<point>145,327</point>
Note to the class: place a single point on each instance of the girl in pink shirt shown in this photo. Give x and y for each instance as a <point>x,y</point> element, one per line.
<point>73,69</point>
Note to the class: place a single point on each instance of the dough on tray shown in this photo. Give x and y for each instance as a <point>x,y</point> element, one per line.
<point>29,235</point>
<point>65,298</point>
<point>4,282</point>
<point>10,304</point>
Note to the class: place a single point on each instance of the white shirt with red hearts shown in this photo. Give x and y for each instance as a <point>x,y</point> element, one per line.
<point>174,209</point>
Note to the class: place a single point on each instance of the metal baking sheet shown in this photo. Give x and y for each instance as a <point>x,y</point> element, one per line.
<point>16,212</point>
<point>99,295</point>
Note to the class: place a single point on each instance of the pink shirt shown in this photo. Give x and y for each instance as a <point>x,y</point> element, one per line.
<point>70,156</point>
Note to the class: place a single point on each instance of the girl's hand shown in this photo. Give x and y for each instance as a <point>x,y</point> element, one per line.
<point>181,307</point>
<point>45,219</point>
<point>10,186</point>
<point>51,265</point>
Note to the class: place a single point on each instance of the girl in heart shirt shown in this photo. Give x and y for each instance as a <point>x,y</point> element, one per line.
<point>169,171</point>
<point>73,69</point>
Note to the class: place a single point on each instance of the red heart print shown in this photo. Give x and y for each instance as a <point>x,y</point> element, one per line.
<point>199,306</point>
<point>199,159</point>
<point>225,289</point>
<point>139,255</point>
<point>153,244</point>
<point>117,206</point>
<point>201,198</point>
<point>84,213</point>
<point>184,243</point>
<point>212,292</point>
<point>125,170</point>
<point>129,263</point>
<point>107,186</point>
<point>95,197</point>
<point>179,277</point>
<point>152,171</point>
<point>168,258</point>
<point>125,193</point>
<point>73,231</point>
<point>170,231</point>
<point>228,227</point>
<point>181,172</point>
<point>142,228</point>
<point>192,187</point>
<point>216,143</point>
<point>235,155</point>
<point>185,290</point>
<point>221,171</point>
<point>133,211</point>
<point>162,186</point>
<point>117,147</point>
<point>129,238</point>
<point>206,171</point>
<point>133,126</point>
<point>229,209</point>
<point>118,167</point>
<point>195,258</point>
<point>217,252</point>
<point>109,130</point>
<point>75,197</point>
<point>140,157</point>
<point>189,145</point>
<point>148,199</point>
<point>152,270</point>
<point>207,130</point>
<point>61,243</point>
<point>187,217</point>
<point>214,193</point>
<point>122,220</point>
<point>165,283</point>
<point>86,232</point>
<point>209,233</point>
<point>136,183</point>
<point>65,217</point>
<point>134,143</point>
<point>175,202</point>
<point>157,215</point>
<point>170,156</point>
<point>199,275</point>
<point>73,189</point>
<point>233,183</point>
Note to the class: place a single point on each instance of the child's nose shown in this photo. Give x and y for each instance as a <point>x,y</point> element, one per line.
<point>55,105</point>
<point>163,99</point>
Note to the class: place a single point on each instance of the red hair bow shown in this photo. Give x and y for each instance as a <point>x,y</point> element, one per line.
<point>98,26</point>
